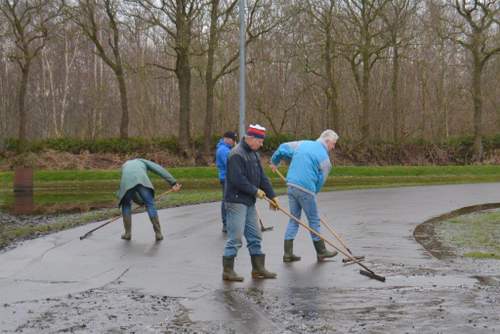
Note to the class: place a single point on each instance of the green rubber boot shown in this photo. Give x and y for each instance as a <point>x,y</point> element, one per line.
<point>321,251</point>
<point>157,228</point>
<point>258,268</point>
<point>289,256</point>
<point>228,273</point>
<point>127,225</point>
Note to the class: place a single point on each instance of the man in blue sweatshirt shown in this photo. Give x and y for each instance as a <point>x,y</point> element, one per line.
<point>309,168</point>
<point>224,146</point>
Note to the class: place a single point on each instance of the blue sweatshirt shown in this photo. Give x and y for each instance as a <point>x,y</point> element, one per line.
<point>221,154</point>
<point>310,163</point>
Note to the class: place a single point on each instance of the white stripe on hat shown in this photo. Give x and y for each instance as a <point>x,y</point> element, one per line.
<point>257,127</point>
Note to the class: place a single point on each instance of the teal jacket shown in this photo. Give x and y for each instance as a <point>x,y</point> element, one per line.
<point>135,172</point>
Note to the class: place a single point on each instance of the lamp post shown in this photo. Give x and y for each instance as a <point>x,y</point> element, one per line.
<point>242,67</point>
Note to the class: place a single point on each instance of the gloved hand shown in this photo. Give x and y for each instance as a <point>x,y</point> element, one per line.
<point>176,187</point>
<point>274,204</point>
<point>260,194</point>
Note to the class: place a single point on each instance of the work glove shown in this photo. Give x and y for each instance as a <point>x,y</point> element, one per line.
<point>260,194</point>
<point>274,204</point>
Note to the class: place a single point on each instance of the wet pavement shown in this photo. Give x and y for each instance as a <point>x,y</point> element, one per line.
<point>103,284</point>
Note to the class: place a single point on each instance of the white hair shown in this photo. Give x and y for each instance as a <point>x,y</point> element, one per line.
<point>329,135</point>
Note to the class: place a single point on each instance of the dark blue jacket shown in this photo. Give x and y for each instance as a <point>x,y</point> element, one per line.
<point>245,175</point>
<point>221,155</point>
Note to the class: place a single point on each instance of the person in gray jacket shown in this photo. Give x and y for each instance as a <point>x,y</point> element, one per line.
<point>135,186</point>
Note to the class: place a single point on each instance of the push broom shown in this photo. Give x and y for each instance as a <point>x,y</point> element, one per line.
<point>366,272</point>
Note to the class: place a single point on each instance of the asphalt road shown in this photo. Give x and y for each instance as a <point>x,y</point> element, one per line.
<point>45,283</point>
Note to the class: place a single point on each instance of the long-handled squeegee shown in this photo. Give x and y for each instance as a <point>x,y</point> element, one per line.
<point>366,272</point>
<point>117,217</point>
<point>333,232</point>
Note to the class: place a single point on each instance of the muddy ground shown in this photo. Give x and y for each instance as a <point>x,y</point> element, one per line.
<point>406,309</point>
<point>104,285</point>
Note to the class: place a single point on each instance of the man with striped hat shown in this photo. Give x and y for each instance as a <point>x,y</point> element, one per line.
<point>245,181</point>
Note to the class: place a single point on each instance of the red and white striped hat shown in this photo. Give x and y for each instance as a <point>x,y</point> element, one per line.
<point>257,131</point>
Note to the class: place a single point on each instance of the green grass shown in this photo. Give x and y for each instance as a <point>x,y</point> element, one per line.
<point>211,172</point>
<point>90,188</point>
<point>475,235</point>
<point>417,170</point>
<point>480,255</point>
<point>82,190</point>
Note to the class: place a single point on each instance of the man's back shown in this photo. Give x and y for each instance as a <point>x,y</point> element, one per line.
<point>310,165</point>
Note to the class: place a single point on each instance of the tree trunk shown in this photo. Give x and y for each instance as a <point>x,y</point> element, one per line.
<point>365,101</point>
<point>331,90</point>
<point>124,104</point>
<point>183,71</point>
<point>210,82</point>
<point>23,87</point>
<point>396,127</point>
<point>478,112</point>
<point>209,116</point>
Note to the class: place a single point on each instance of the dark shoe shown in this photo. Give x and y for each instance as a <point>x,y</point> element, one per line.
<point>289,256</point>
<point>258,267</point>
<point>127,225</point>
<point>157,228</point>
<point>321,251</point>
<point>228,273</point>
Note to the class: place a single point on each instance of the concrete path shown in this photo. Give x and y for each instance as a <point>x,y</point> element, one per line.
<point>377,223</point>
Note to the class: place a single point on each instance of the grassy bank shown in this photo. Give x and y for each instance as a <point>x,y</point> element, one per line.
<point>90,189</point>
<point>475,235</point>
<point>82,192</point>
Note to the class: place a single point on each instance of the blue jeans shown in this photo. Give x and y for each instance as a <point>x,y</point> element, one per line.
<point>223,207</point>
<point>300,200</point>
<point>242,220</point>
<point>145,194</point>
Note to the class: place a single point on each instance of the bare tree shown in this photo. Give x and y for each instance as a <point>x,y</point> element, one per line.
<point>219,17</point>
<point>363,47</point>
<point>217,67</point>
<point>323,14</point>
<point>59,90</point>
<point>100,19</point>
<point>397,19</point>
<point>176,19</point>
<point>29,23</point>
<point>476,33</point>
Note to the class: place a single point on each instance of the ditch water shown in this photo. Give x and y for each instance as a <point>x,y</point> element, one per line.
<point>56,200</point>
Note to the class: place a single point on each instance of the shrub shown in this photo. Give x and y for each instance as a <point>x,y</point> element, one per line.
<point>273,141</point>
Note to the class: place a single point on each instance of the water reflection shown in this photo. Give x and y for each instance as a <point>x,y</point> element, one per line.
<point>23,203</point>
<point>23,191</point>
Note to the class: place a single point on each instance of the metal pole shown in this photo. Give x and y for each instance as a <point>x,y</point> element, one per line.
<point>242,67</point>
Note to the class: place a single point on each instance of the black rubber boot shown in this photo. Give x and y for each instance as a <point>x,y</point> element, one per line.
<point>258,267</point>
<point>289,256</point>
<point>157,228</point>
<point>127,225</point>
<point>321,251</point>
<point>228,273</point>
